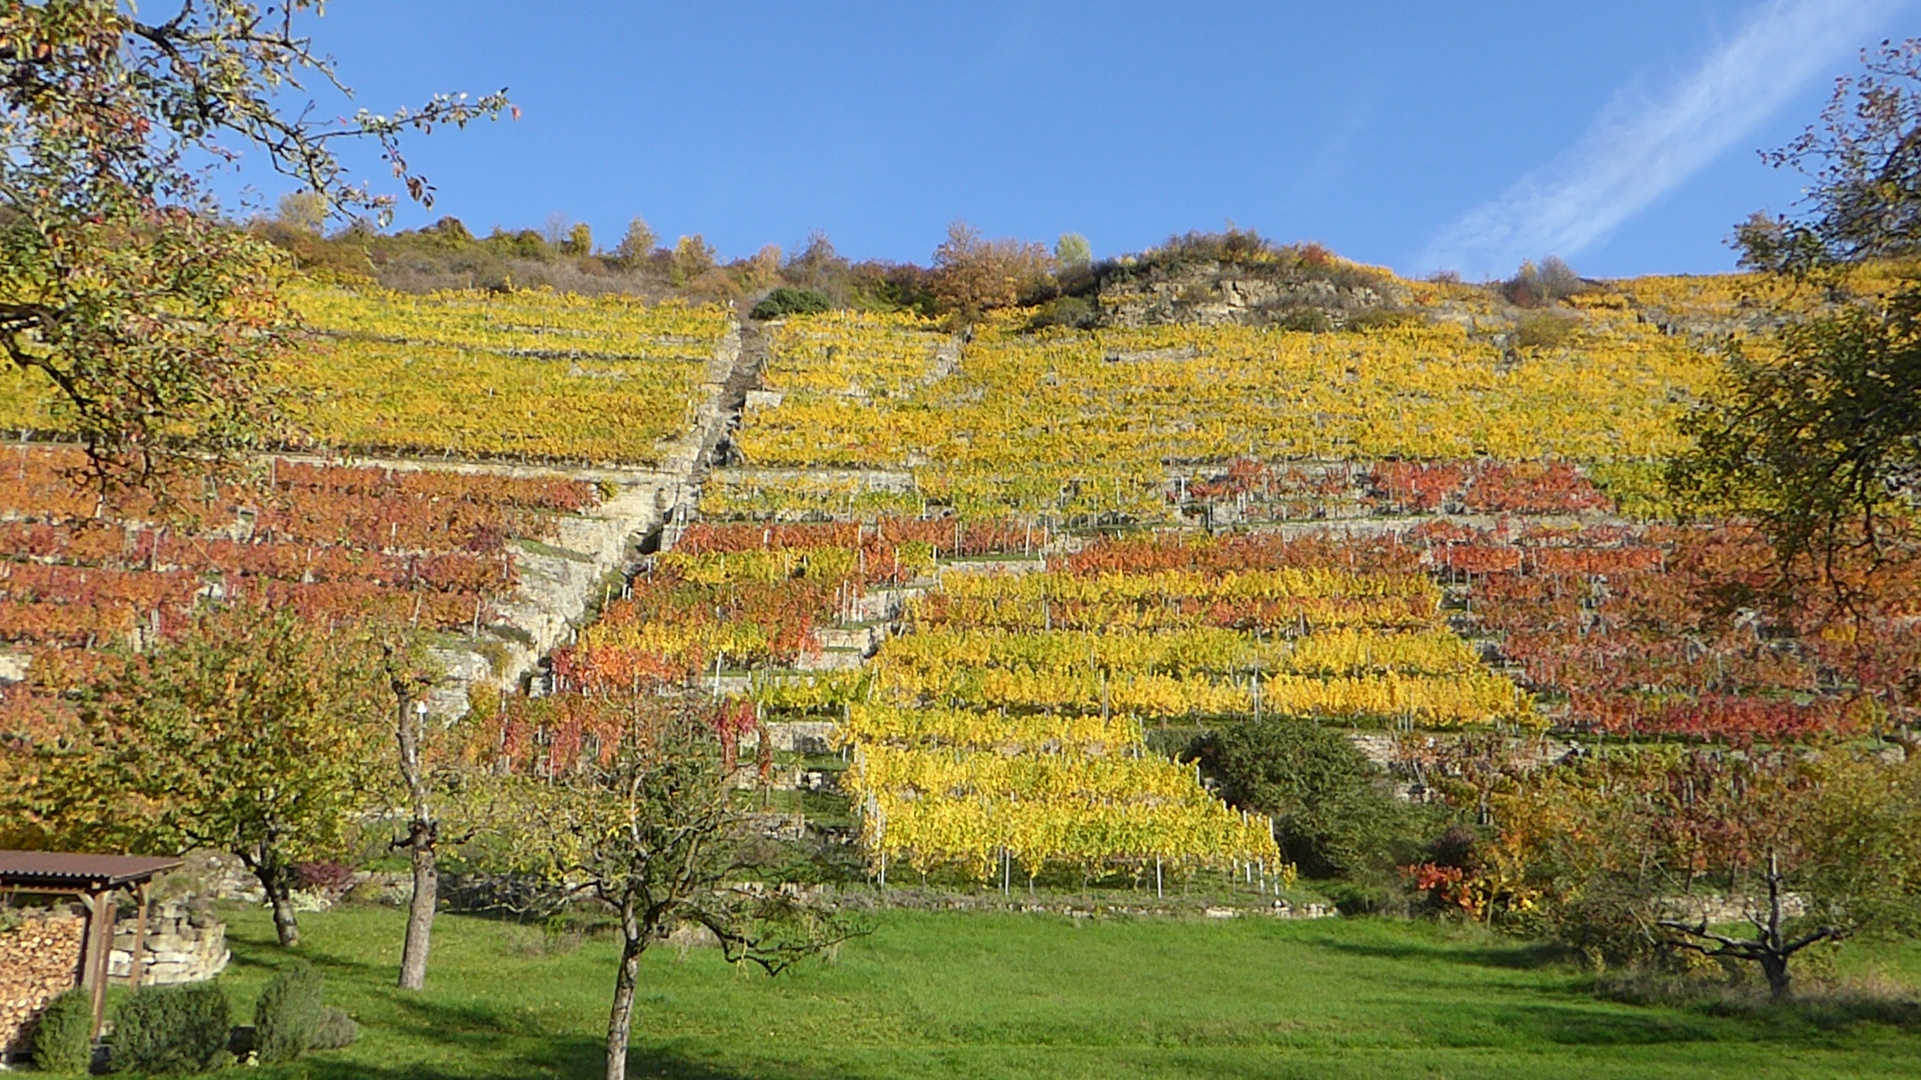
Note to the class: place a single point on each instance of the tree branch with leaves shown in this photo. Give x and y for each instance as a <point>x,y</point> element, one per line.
<point>150,319</point>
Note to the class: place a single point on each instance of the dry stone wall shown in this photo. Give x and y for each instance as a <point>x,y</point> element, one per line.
<point>185,943</point>
<point>40,959</point>
<point>562,582</point>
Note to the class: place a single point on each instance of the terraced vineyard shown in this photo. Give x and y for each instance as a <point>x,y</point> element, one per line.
<point>1497,563</point>
<point>438,550</point>
<point>1094,423</point>
<point>524,377</point>
<point>997,564</point>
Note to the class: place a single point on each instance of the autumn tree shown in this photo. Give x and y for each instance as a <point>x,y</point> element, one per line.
<point>1807,847</point>
<point>628,798</point>
<point>973,274</point>
<point>149,320</point>
<point>1819,438</point>
<point>1862,160</point>
<point>253,732</point>
<point>303,210</point>
<point>580,240</point>
<point>636,244</point>
<point>693,257</point>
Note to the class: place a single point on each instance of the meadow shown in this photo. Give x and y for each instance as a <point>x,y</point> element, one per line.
<point>1019,995</point>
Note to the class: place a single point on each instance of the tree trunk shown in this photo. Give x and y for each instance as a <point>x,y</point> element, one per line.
<point>1779,982</point>
<point>273,880</point>
<point>620,1020</point>
<point>420,916</point>
<point>1774,964</point>
<point>423,833</point>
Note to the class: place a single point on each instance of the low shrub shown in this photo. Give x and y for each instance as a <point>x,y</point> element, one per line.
<point>337,1030</point>
<point>172,1029</point>
<point>63,1040</point>
<point>1070,311</point>
<point>1538,285</point>
<point>288,1017</point>
<point>790,301</point>
<point>1310,320</point>
<point>323,875</point>
<point>1540,330</point>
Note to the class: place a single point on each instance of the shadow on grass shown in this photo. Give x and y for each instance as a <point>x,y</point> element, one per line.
<point>477,1033</point>
<point>267,955</point>
<point>1595,1025</point>
<point>575,1057</point>
<point>543,1058</point>
<point>1836,1011</point>
<point>1528,957</point>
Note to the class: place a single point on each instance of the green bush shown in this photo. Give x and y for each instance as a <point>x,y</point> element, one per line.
<point>1310,320</point>
<point>172,1029</point>
<point>337,1030</point>
<point>1069,311</point>
<point>1332,816</point>
<point>289,1015</point>
<point>63,1041</point>
<point>790,301</point>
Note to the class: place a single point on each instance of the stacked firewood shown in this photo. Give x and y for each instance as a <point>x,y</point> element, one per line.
<point>38,959</point>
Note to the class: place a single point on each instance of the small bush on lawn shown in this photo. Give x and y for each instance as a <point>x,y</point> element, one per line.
<point>790,301</point>
<point>172,1029</point>
<point>63,1041</point>
<point>288,1017</point>
<point>337,1030</point>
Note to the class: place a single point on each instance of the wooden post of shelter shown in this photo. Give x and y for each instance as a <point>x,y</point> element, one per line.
<point>93,879</point>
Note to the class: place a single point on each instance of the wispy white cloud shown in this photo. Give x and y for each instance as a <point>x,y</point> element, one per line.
<point>1640,148</point>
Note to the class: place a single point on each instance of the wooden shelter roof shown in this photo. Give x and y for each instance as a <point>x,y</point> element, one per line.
<point>74,872</point>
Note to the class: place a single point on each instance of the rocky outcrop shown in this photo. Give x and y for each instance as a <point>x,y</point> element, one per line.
<point>1215,293</point>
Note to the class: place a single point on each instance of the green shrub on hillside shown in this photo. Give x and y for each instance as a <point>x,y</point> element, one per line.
<point>172,1029</point>
<point>1310,320</point>
<point>790,301</point>
<point>1332,816</point>
<point>63,1040</point>
<point>1069,311</point>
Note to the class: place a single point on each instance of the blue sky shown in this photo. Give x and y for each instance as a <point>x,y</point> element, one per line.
<point>1622,136</point>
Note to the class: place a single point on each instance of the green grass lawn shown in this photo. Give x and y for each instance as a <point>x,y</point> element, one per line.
<point>1004,995</point>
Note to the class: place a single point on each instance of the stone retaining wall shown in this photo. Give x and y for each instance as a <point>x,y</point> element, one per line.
<point>185,943</point>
